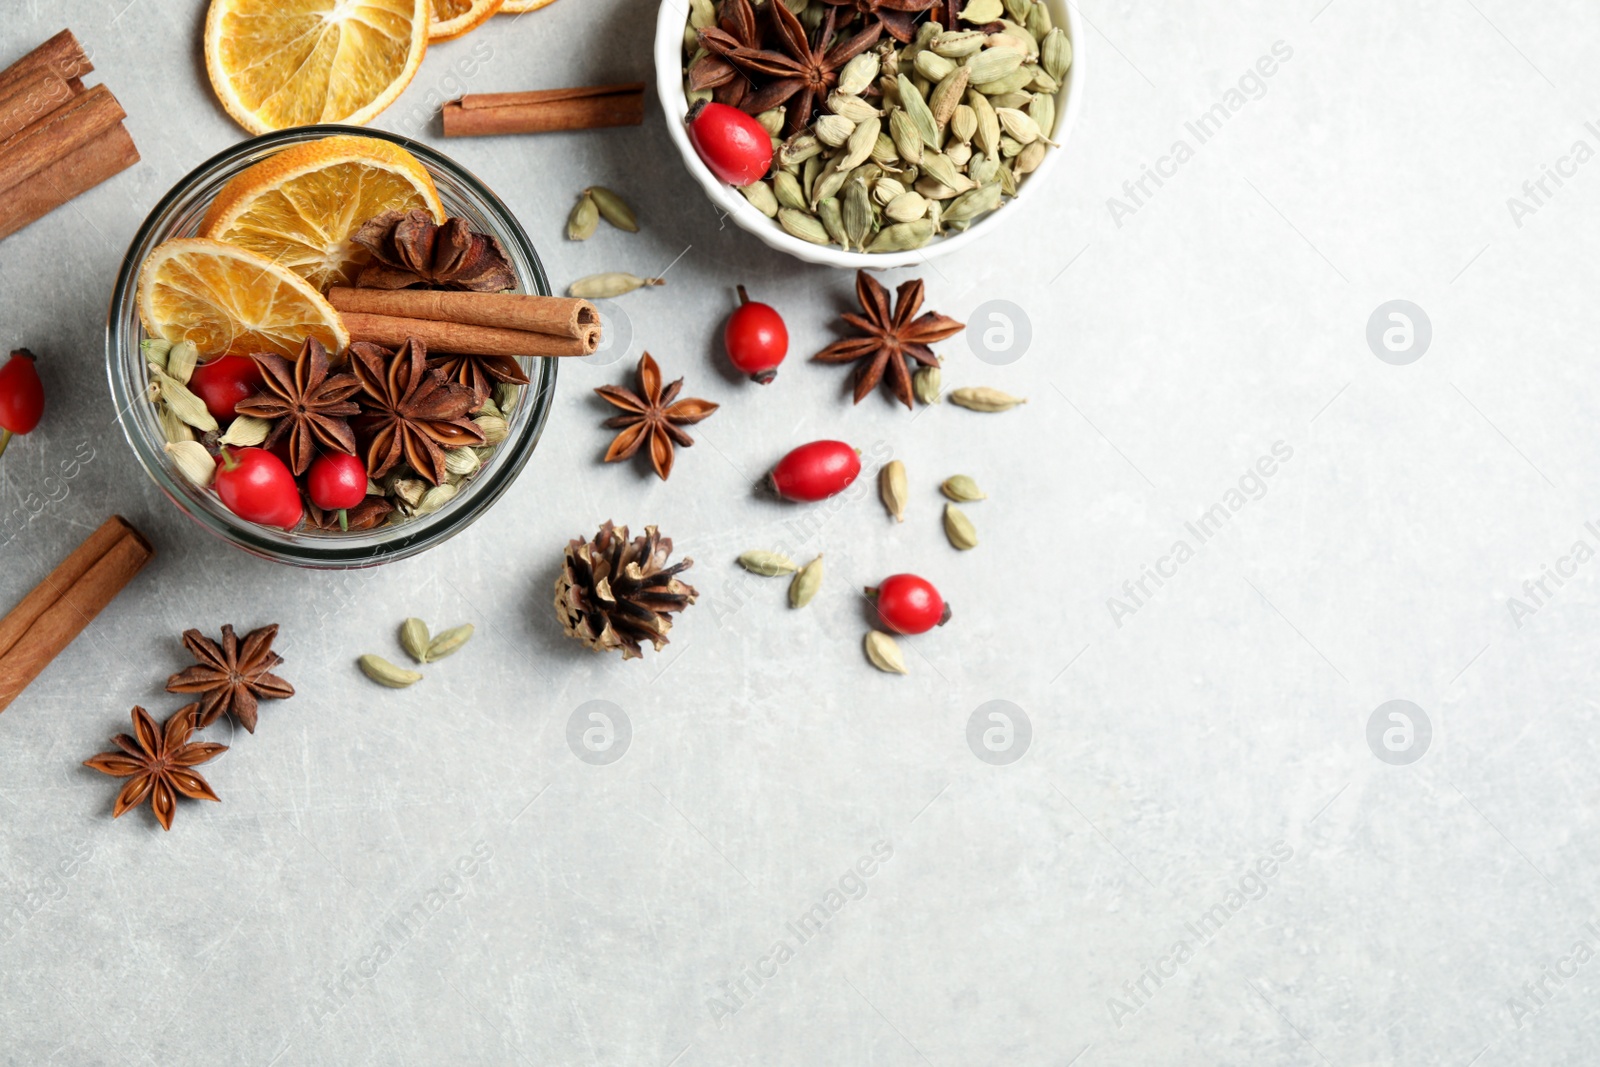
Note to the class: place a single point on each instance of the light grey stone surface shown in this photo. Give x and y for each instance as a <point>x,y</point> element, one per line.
<point>1221,724</point>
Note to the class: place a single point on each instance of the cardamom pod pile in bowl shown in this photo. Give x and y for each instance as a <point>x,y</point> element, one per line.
<point>891,128</point>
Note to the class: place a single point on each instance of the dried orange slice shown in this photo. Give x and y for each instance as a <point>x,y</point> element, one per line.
<point>281,63</point>
<point>230,301</point>
<point>519,7</point>
<point>452,18</point>
<point>300,206</point>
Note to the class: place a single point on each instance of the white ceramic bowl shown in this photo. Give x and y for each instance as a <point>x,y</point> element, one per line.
<point>670,23</point>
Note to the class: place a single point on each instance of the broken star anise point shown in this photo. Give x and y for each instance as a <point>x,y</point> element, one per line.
<point>232,675</point>
<point>652,414</point>
<point>890,337</point>
<point>158,763</point>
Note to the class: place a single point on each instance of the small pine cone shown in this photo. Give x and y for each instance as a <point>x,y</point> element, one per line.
<point>615,594</point>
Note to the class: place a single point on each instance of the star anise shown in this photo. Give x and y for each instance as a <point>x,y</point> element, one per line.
<point>736,28</point>
<point>413,250</point>
<point>414,413</point>
<point>480,373</point>
<point>305,403</point>
<point>232,675</point>
<point>652,414</point>
<point>804,73</point>
<point>156,762</point>
<point>898,17</point>
<point>371,512</point>
<point>891,337</point>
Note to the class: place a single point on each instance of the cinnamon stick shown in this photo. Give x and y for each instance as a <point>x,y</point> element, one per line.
<point>560,316</point>
<point>464,338</point>
<point>61,55</point>
<point>61,132</point>
<point>26,100</point>
<point>58,608</point>
<point>545,111</point>
<point>70,176</point>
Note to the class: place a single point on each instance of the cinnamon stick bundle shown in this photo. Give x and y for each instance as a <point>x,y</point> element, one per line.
<point>464,338</point>
<point>69,598</point>
<point>545,111</point>
<point>560,316</point>
<point>57,139</point>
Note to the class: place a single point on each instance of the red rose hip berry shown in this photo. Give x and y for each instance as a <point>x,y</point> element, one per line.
<point>734,145</point>
<point>337,481</point>
<point>815,471</point>
<point>257,486</point>
<point>21,396</point>
<point>756,339</point>
<point>224,382</point>
<point>908,604</point>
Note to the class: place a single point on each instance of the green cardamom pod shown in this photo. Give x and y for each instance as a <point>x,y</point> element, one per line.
<point>857,216</point>
<point>245,431</point>
<point>493,426</point>
<point>992,64</point>
<point>979,12</point>
<point>193,462</point>
<point>933,66</point>
<point>907,207</point>
<point>614,209</point>
<point>947,95</point>
<point>584,220</point>
<point>959,529</point>
<point>788,192</point>
<point>184,404</point>
<point>506,396</point>
<point>1039,22</point>
<point>798,149</point>
<point>963,122</point>
<point>154,350</point>
<point>772,120</point>
<point>834,130</point>
<point>969,205</point>
<point>858,149</point>
<point>408,491</point>
<point>436,498</point>
<point>958,44</point>
<point>182,359</point>
<point>907,141</point>
<point>961,488</point>
<point>414,639</point>
<point>902,236</point>
<point>801,225</point>
<point>982,398</point>
<point>1009,83</point>
<point>832,217</point>
<point>1042,110</point>
<point>1017,125</point>
<point>859,73</point>
<point>926,383</point>
<point>987,136</point>
<point>1018,9</point>
<point>1055,53</point>
<point>767,564</point>
<point>761,198</point>
<point>606,286</point>
<point>1008,178</point>
<point>805,584</point>
<point>851,107</point>
<point>892,486</point>
<point>462,461</point>
<point>449,641</point>
<point>917,109</point>
<point>884,654</point>
<point>1029,158</point>
<point>173,428</point>
<point>383,672</point>
<point>702,13</point>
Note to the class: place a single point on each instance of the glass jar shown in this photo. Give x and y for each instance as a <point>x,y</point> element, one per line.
<point>178,215</point>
